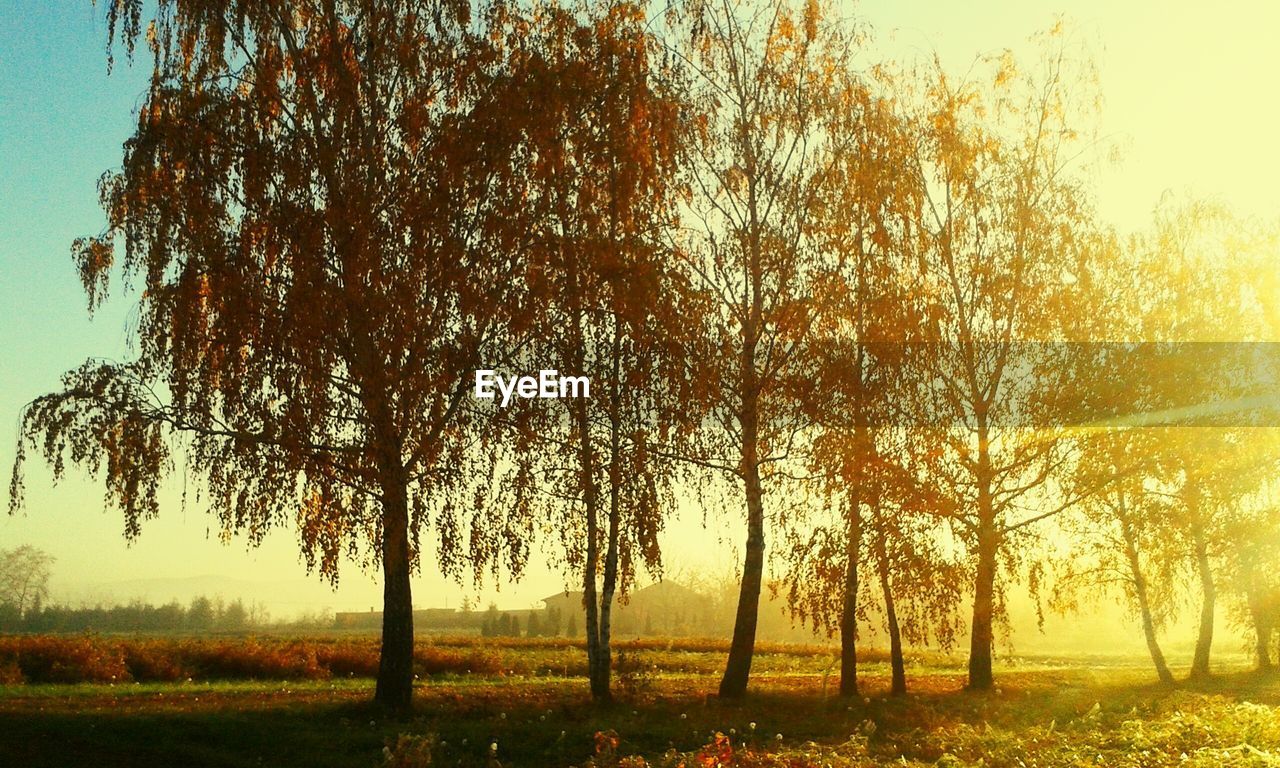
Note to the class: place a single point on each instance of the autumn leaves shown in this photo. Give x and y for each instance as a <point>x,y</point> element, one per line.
<point>798,285</point>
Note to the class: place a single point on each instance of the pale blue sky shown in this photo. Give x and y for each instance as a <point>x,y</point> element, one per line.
<point>1188,90</point>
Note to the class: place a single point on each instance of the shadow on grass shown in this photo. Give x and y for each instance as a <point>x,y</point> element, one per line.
<point>315,735</point>
<point>537,721</point>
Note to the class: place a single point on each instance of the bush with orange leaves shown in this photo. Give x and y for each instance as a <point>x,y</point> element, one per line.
<point>432,660</point>
<point>154,661</point>
<point>97,659</point>
<point>44,659</point>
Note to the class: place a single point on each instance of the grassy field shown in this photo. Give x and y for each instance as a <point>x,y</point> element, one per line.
<point>529,709</point>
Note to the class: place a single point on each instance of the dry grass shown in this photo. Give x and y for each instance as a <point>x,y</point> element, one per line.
<point>107,658</point>
<point>97,659</point>
<point>304,701</point>
<point>1077,716</point>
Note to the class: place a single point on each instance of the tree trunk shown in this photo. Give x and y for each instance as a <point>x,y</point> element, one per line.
<point>591,564</point>
<point>738,669</point>
<point>1262,637</point>
<point>601,675</point>
<point>896,661</point>
<point>1142,596</point>
<point>982,636</point>
<point>1209,592</point>
<point>1148,625</point>
<point>849,605</point>
<point>598,679</point>
<point>394,690</point>
<point>1257,595</point>
<point>591,609</point>
<point>853,552</point>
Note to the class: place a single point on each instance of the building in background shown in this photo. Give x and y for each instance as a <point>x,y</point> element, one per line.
<point>664,608</point>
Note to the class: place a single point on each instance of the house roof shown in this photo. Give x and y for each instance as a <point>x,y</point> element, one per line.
<point>659,590</point>
<point>563,595</point>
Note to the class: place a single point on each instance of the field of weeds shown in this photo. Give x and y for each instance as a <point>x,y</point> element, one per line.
<point>251,702</point>
<point>35,659</point>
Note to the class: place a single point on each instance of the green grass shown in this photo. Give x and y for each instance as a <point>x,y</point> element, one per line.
<point>1044,712</point>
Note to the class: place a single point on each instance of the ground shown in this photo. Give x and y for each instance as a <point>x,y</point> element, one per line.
<point>1046,712</point>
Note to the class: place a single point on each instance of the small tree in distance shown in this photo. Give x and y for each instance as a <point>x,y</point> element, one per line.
<point>24,579</point>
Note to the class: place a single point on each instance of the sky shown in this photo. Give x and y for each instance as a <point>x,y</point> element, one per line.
<point>1188,100</point>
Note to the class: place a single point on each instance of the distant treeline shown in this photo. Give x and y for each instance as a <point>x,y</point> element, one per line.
<point>202,614</point>
<point>544,623</point>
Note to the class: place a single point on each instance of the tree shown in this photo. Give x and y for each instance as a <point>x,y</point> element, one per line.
<point>1255,570</point>
<point>1003,219</point>
<point>762,77</point>
<point>490,626</point>
<point>1170,463</point>
<point>920,581</point>
<point>1122,540</point>
<point>201,614</point>
<point>1122,537</point>
<point>861,364</point>
<point>1210,460</point>
<point>24,579</point>
<point>1218,461</point>
<point>235,617</point>
<point>607,304</point>
<point>325,207</point>
<point>1215,470</point>
<point>894,542</point>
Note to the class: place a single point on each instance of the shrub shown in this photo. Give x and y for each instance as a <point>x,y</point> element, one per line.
<point>348,659</point>
<point>432,660</point>
<point>155,662</point>
<point>44,659</point>
<point>10,674</point>
<point>634,676</point>
<point>258,661</point>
